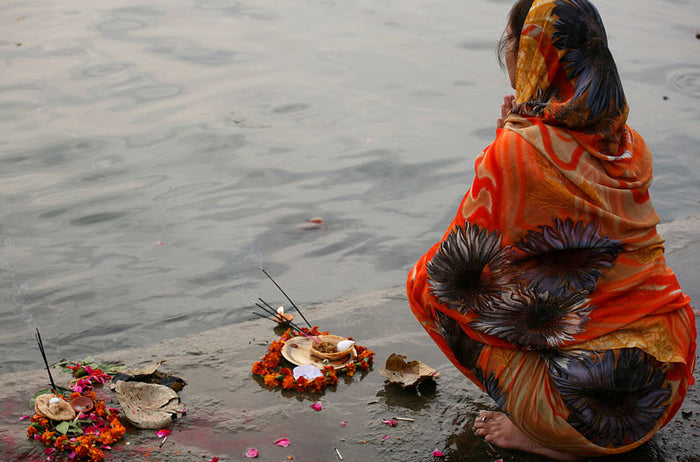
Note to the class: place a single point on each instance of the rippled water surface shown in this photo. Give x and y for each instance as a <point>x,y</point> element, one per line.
<point>153,156</point>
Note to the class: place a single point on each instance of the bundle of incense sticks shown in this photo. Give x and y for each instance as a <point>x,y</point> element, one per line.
<point>46,362</point>
<point>274,316</point>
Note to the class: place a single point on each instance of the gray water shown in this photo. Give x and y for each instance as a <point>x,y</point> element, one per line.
<point>154,156</point>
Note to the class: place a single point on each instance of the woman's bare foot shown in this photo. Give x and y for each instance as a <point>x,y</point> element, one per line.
<point>497,429</point>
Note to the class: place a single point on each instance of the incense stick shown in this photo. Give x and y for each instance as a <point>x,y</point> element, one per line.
<point>274,318</point>
<point>276,315</point>
<point>287,296</point>
<point>46,362</point>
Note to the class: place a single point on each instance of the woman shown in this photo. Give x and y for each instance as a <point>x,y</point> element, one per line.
<point>550,290</point>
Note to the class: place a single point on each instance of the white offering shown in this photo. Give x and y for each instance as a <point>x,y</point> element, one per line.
<point>345,345</point>
<point>307,371</point>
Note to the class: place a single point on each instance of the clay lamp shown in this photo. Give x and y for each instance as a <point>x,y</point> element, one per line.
<point>82,404</point>
<point>282,318</point>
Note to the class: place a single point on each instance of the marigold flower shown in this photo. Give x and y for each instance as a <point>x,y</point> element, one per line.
<point>62,443</point>
<point>31,431</point>
<point>271,380</point>
<point>350,369</point>
<point>259,369</point>
<point>288,382</point>
<point>47,437</point>
<point>317,384</point>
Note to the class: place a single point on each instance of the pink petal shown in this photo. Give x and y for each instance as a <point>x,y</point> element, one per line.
<point>386,437</point>
<point>37,437</point>
<point>214,459</point>
<point>49,451</point>
<point>162,433</point>
<point>160,243</point>
<point>24,417</point>
<point>438,453</point>
<point>284,442</point>
<point>71,456</point>
<point>343,423</point>
<point>252,453</point>
<point>317,406</point>
<point>391,423</point>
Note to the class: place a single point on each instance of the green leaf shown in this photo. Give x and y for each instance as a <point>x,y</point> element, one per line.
<point>63,427</point>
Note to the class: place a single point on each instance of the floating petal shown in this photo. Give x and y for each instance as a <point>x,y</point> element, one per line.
<point>284,442</point>
<point>317,406</point>
<point>252,453</point>
<point>163,433</point>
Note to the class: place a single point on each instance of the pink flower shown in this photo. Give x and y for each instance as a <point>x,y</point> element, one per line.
<point>163,433</point>
<point>284,442</point>
<point>438,453</point>
<point>391,422</point>
<point>317,406</point>
<point>252,453</point>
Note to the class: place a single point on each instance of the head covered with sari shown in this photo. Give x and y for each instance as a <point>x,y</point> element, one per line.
<point>566,75</point>
<point>551,278</point>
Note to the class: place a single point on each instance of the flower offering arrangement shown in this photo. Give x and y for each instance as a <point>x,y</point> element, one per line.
<point>274,375</point>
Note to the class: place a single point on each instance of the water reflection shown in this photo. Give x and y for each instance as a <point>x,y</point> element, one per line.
<point>412,399</point>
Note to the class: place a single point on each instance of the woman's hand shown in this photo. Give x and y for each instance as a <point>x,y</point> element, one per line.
<point>506,107</point>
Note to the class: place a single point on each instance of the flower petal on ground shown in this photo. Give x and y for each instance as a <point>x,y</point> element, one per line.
<point>284,442</point>
<point>438,453</point>
<point>391,422</point>
<point>162,433</point>
<point>252,453</point>
<point>317,406</point>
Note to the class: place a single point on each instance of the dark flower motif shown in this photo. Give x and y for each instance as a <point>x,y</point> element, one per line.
<point>493,388</point>
<point>456,272</point>
<point>536,320</point>
<point>580,32</point>
<point>465,349</point>
<point>616,399</point>
<point>566,256</point>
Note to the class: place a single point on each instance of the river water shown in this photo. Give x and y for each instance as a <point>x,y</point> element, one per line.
<point>153,156</point>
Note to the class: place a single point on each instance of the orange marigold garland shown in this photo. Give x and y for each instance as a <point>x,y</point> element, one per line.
<point>86,440</point>
<point>275,376</point>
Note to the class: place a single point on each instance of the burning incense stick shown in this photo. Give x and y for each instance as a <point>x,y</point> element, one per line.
<point>274,318</point>
<point>46,362</point>
<point>287,296</point>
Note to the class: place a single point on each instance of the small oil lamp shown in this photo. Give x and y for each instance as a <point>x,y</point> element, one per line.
<point>282,318</point>
<point>82,404</point>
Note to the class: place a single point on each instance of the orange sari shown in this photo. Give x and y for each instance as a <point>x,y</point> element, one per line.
<point>550,290</point>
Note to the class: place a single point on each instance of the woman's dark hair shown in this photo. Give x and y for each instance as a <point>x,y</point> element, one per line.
<point>516,20</point>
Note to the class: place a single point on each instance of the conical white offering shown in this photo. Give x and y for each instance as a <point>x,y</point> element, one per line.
<point>307,371</point>
<point>345,345</point>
